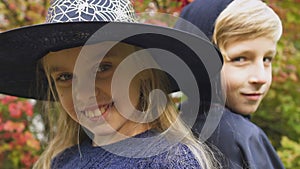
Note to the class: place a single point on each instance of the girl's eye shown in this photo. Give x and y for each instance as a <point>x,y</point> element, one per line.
<point>64,77</point>
<point>104,67</point>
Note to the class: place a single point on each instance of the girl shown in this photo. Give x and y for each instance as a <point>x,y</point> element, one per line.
<point>106,123</point>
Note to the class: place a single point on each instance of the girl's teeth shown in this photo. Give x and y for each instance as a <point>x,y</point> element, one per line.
<point>89,114</point>
<point>102,109</point>
<point>95,113</point>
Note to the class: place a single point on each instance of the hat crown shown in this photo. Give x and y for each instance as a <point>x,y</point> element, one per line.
<point>90,10</point>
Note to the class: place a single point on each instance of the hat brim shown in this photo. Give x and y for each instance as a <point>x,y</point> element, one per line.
<point>20,50</point>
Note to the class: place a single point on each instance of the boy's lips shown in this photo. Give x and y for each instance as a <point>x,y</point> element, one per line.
<point>253,96</point>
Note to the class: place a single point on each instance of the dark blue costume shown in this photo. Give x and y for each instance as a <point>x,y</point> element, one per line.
<point>178,156</point>
<point>243,144</point>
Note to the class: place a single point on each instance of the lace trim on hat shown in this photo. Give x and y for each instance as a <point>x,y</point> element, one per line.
<point>90,10</point>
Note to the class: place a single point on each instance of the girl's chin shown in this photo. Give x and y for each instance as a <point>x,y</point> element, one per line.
<point>103,130</point>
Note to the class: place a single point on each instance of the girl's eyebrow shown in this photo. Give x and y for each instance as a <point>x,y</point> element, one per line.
<point>53,69</point>
<point>56,69</point>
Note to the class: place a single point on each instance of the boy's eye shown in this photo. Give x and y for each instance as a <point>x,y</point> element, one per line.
<point>64,77</point>
<point>268,59</point>
<point>239,59</point>
<point>104,67</point>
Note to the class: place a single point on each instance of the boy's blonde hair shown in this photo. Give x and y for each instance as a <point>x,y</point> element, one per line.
<point>244,20</point>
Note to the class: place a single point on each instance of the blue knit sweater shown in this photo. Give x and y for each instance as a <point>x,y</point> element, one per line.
<point>156,154</point>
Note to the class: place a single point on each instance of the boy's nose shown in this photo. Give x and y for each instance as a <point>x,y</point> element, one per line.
<point>258,74</point>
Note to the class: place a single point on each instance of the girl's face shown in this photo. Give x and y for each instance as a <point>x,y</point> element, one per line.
<point>247,72</point>
<point>96,112</point>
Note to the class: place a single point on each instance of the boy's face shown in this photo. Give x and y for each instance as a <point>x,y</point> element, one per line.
<point>247,73</point>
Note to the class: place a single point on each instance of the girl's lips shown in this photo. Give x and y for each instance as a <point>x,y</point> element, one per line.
<point>96,113</point>
<point>94,107</point>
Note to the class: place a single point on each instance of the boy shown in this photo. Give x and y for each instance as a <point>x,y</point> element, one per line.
<point>247,32</point>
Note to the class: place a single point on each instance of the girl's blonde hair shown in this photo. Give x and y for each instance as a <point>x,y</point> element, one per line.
<point>244,20</point>
<point>66,132</point>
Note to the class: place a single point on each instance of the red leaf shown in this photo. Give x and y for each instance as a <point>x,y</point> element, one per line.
<point>7,99</point>
<point>11,126</point>
<point>15,110</point>
<point>28,108</point>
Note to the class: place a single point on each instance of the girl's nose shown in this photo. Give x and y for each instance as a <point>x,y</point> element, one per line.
<point>85,92</point>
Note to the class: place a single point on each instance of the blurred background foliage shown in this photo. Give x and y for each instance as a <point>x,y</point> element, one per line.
<point>278,115</point>
<point>19,144</point>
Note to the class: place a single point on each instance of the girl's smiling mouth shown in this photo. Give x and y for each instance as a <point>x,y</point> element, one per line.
<point>95,113</point>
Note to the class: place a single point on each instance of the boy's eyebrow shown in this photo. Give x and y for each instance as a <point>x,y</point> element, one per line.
<point>271,52</point>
